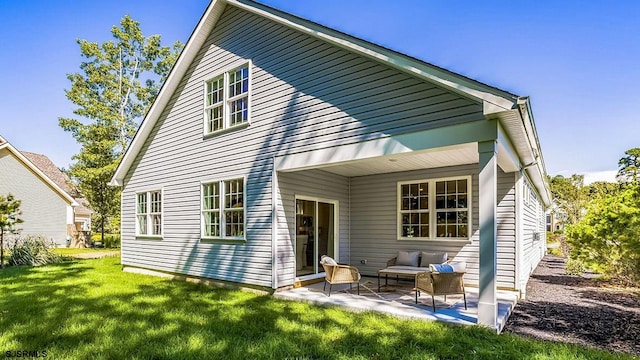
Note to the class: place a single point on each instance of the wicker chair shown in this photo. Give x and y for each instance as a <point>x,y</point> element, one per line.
<point>443,283</point>
<point>339,274</point>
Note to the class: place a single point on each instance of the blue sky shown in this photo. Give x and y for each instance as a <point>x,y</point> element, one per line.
<point>579,61</point>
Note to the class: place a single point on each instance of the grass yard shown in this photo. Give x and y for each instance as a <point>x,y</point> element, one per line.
<point>76,251</point>
<point>91,309</point>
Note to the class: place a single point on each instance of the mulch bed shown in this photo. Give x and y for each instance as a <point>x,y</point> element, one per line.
<point>577,309</point>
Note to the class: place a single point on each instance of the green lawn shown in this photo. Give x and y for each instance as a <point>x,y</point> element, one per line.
<point>91,309</point>
<point>76,251</point>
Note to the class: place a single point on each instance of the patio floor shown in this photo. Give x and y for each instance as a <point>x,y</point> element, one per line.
<point>399,300</point>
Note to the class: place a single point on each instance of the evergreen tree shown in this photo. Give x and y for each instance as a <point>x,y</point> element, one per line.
<point>9,216</point>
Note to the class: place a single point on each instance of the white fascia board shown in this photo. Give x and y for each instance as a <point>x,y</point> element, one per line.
<point>68,198</point>
<point>450,136</point>
<point>450,81</point>
<point>191,49</point>
<point>536,173</point>
<point>507,155</point>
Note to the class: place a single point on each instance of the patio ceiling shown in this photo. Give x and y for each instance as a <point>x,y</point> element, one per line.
<point>432,158</point>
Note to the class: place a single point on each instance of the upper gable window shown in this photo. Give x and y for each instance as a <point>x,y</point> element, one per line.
<point>227,99</point>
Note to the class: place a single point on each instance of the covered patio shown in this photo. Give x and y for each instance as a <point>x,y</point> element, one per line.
<point>399,300</point>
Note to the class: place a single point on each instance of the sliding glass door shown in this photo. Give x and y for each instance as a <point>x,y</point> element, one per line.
<point>315,234</point>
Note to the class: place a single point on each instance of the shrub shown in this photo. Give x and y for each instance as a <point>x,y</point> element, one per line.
<point>111,241</point>
<point>32,250</point>
<point>574,267</point>
<point>607,239</point>
<point>556,251</point>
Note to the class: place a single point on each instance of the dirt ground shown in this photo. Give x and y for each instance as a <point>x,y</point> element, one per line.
<point>577,309</point>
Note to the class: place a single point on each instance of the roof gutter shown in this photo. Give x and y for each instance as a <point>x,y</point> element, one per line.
<point>536,169</point>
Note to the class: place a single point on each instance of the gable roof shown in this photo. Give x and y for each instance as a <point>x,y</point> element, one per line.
<point>494,100</point>
<point>59,178</point>
<point>38,172</point>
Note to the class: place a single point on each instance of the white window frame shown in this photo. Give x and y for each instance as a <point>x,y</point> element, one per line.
<point>149,215</point>
<point>432,211</point>
<point>227,99</point>
<point>222,210</point>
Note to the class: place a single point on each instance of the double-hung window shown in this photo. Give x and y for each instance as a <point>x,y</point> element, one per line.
<point>433,209</point>
<point>227,99</point>
<point>223,209</point>
<point>149,213</point>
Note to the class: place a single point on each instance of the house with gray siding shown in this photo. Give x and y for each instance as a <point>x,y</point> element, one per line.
<point>50,204</point>
<point>276,140</point>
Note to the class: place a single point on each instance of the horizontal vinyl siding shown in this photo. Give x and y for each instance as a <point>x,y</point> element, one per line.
<point>306,94</point>
<point>44,211</point>
<point>310,183</point>
<point>533,221</point>
<point>374,223</point>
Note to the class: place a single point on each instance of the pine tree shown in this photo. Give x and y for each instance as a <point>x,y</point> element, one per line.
<point>9,216</point>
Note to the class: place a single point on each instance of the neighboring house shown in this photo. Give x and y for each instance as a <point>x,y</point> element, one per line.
<point>556,216</point>
<point>276,140</point>
<point>51,206</point>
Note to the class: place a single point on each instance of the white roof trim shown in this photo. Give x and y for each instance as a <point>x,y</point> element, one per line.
<point>39,173</point>
<point>485,94</point>
<point>196,40</point>
<point>454,82</point>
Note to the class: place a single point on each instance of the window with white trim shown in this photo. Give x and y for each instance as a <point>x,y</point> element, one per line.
<point>432,209</point>
<point>149,213</point>
<point>223,209</point>
<point>227,99</point>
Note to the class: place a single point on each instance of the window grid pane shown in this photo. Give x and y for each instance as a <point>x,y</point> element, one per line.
<point>239,111</point>
<point>452,209</point>
<point>142,203</point>
<point>211,209</point>
<point>156,202</point>
<point>415,210</point>
<point>156,227</point>
<point>156,212</point>
<point>215,91</point>
<point>233,194</point>
<point>142,224</point>
<point>234,222</point>
<point>211,223</point>
<point>214,118</point>
<point>234,208</point>
<point>211,196</point>
<point>239,81</point>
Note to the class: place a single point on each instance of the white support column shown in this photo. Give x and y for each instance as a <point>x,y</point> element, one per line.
<point>487,302</point>
<point>274,227</point>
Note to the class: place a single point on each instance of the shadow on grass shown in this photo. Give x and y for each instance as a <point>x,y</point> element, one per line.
<point>92,309</point>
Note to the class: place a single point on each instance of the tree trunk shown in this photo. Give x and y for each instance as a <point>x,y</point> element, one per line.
<point>1,248</point>
<point>102,231</point>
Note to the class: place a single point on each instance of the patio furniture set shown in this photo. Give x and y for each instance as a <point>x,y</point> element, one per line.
<point>433,274</point>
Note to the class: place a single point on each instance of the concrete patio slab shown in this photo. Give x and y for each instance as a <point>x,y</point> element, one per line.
<point>399,300</point>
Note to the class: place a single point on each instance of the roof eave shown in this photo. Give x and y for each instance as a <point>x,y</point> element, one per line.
<point>492,98</point>
<point>193,45</point>
<point>451,81</point>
